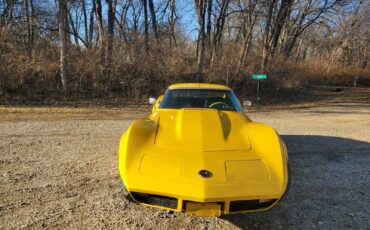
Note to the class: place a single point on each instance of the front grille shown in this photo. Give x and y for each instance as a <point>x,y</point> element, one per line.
<point>186,201</point>
<point>164,201</point>
<point>246,205</point>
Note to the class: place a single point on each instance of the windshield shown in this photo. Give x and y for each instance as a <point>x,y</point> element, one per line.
<point>200,98</point>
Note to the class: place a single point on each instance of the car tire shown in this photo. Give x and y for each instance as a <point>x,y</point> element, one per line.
<point>289,180</point>
<point>126,194</point>
<point>288,184</point>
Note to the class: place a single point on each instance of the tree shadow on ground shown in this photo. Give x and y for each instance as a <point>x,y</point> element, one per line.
<point>329,180</point>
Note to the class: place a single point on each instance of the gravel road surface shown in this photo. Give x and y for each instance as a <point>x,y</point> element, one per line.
<point>58,170</point>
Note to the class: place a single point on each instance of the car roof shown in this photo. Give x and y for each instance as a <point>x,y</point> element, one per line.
<point>197,86</point>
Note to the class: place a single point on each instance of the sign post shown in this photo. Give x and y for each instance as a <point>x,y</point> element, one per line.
<point>258,77</point>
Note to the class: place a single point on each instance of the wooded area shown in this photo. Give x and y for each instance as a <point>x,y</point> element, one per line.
<point>135,48</point>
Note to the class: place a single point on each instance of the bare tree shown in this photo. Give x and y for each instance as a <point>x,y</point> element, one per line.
<point>73,25</point>
<point>172,21</point>
<point>121,20</point>
<point>28,15</point>
<point>347,29</point>
<point>219,27</point>
<point>233,35</point>
<point>91,25</point>
<point>154,19</point>
<point>200,6</point>
<point>146,25</point>
<point>250,15</point>
<point>275,20</point>
<point>86,31</point>
<point>110,35</point>
<point>63,49</point>
<point>209,24</point>
<point>101,33</point>
<point>306,13</point>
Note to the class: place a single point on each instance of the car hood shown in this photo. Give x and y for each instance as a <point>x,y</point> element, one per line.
<point>201,129</point>
<point>164,154</point>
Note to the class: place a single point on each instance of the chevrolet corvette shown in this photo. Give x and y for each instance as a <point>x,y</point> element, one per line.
<point>199,153</point>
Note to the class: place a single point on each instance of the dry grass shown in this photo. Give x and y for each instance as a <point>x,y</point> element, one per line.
<point>138,75</point>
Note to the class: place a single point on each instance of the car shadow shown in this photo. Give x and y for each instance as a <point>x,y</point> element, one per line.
<point>329,184</point>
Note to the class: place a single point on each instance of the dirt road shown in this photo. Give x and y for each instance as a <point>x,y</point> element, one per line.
<point>58,169</point>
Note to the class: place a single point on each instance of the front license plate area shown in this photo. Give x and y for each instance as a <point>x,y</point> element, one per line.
<point>200,209</point>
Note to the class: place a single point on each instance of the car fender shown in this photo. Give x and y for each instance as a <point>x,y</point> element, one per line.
<point>139,135</point>
<point>266,143</point>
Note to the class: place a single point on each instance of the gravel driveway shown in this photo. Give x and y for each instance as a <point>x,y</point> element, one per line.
<point>59,170</point>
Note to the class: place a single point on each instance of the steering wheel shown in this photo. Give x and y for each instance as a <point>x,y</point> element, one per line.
<point>224,105</point>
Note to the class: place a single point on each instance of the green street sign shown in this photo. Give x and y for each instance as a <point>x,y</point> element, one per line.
<point>259,76</point>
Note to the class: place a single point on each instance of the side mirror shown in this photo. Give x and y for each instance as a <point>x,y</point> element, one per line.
<point>247,104</point>
<point>152,100</point>
<point>159,100</point>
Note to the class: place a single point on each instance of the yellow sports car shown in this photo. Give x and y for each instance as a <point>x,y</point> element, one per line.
<point>199,153</point>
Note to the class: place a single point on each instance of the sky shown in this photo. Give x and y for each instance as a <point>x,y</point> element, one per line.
<point>185,11</point>
<point>188,17</point>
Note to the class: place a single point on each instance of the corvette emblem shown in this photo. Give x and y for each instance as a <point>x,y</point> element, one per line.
<point>204,173</point>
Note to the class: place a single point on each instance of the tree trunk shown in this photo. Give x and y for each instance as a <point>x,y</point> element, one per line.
<point>87,41</point>
<point>146,26</point>
<point>67,25</point>
<point>29,40</point>
<point>154,19</point>
<point>99,20</point>
<point>298,51</point>
<point>283,13</point>
<point>266,36</point>
<point>172,22</point>
<point>91,26</point>
<point>74,30</point>
<point>63,49</point>
<point>332,56</point>
<point>110,33</point>
<point>365,57</point>
<point>209,24</point>
<point>122,22</point>
<point>273,28</point>
<point>245,48</point>
<point>220,22</point>
<point>247,34</point>
<point>200,7</point>
<point>32,36</point>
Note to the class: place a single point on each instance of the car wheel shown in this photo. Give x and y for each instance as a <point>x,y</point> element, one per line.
<point>288,185</point>
<point>126,194</point>
<point>289,181</point>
